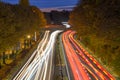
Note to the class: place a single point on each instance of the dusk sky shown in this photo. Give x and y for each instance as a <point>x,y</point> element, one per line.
<point>47,3</point>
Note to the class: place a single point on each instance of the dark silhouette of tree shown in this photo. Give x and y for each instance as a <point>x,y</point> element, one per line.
<point>98,24</point>
<point>16,22</point>
<point>24,2</point>
<point>57,17</point>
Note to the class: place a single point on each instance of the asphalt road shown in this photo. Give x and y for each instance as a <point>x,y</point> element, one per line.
<point>39,65</point>
<point>78,63</point>
<point>83,65</point>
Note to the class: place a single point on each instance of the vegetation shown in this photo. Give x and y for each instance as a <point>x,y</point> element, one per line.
<point>56,17</point>
<point>24,2</point>
<point>16,22</point>
<point>98,25</point>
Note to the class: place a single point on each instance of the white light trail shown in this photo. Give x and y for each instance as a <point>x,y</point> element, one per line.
<point>39,65</point>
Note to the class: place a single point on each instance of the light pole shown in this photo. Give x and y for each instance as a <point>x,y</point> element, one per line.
<point>29,41</point>
<point>35,37</point>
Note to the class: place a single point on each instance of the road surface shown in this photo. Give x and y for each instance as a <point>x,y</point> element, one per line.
<point>39,66</point>
<point>83,65</point>
<point>80,65</point>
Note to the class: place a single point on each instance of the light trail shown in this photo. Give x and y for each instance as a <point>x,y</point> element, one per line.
<point>39,65</point>
<point>88,62</point>
<point>100,71</point>
<point>76,67</point>
<point>65,59</point>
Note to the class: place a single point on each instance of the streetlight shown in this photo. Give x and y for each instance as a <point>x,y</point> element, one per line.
<point>28,36</point>
<point>29,40</point>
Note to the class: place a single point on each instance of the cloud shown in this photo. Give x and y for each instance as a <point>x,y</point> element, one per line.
<point>61,8</point>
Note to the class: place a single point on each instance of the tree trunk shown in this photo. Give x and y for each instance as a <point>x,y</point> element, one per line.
<point>13,55</point>
<point>4,58</point>
<point>0,62</point>
<point>0,65</point>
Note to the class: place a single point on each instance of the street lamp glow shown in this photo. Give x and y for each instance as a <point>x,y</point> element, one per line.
<point>28,36</point>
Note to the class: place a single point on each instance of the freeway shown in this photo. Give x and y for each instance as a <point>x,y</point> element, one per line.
<point>90,68</point>
<point>40,65</point>
<point>77,69</point>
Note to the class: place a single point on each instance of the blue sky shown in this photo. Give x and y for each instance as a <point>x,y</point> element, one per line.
<point>47,3</point>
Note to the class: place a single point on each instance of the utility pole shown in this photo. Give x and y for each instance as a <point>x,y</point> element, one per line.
<point>35,37</point>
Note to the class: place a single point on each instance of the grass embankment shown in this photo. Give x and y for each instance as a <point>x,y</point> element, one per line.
<point>57,62</point>
<point>99,60</point>
<point>59,72</point>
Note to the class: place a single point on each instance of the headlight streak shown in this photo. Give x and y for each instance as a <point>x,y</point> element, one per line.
<point>39,65</point>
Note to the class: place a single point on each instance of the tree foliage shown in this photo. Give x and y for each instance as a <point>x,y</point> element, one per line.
<point>24,2</point>
<point>98,24</point>
<point>17,21</point>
